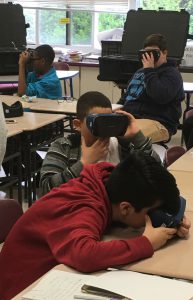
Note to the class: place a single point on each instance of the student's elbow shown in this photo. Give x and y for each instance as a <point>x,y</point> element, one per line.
<point>83,262</point>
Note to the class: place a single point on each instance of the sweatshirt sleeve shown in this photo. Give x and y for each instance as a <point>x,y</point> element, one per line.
<point>83,249</point>
<point>3,134</point>
<point>56,168</point>
<point>163,87</point>
<point>138,142</point>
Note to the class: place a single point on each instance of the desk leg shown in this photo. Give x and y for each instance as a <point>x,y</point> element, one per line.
<point>187,101</point>
<point>71,88</point>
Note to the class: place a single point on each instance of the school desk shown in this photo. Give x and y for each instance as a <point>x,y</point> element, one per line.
<point>184,163</point>
<point>184,182</point>
<point>173,260</point>
<point>37,130</point>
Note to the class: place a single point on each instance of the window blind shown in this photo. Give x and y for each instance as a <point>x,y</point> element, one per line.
<point>88,5</point>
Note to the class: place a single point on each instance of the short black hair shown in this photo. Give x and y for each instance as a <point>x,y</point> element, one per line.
<point>142,181</point>
<point>155,39</point>
<point>89,100</point>
<point>46,52</point>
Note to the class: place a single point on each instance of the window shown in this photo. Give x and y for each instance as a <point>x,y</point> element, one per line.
<point>81,30</point>
<point>30,17</point>
<point>51,31</point>
<point>109,21</point>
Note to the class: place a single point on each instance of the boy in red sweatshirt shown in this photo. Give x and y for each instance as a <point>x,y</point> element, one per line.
<point>66,225</point>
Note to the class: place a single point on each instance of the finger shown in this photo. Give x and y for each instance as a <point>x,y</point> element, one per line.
<point>171,231</point>
<point>186,222</point>
<point>170,236</point>
<point>148,221</point>
<point>122,112</point>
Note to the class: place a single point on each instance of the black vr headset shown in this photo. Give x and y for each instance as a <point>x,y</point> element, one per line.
<point>160,218</point>
<point>107,125</point>
<point>155,52</point>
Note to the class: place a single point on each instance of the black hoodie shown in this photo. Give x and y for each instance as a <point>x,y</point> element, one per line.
<point>156,94</point>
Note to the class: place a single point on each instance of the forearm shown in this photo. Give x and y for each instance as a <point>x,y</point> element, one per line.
<point>89,255</point>
<point>22,80</point>
<point>140,143</point>
<point>162,88</point>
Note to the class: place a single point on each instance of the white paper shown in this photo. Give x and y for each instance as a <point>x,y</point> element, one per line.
<point>57,285</point>
<point>139,286</point>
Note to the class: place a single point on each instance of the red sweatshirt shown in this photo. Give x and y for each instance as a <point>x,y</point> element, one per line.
<point>66,227</point>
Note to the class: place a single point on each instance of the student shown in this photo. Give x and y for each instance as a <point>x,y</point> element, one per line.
<point>156,90</point>
<point>3,134</point>
<point>66,225</point>
<point>67,156</point>
<point>43,81</point>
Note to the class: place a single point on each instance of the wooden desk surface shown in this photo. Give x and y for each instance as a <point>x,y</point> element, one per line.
<point>173,260</point>
<point>184,181</point>
<point>13,129</point>
<point>31,121</point>
<point>9,100</point>
<point>65,107</point>
<point>184,163</point>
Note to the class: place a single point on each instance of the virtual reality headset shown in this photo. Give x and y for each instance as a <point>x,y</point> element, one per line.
<point>155,52</point>
<point>107,125</point>
<point>160,218</point>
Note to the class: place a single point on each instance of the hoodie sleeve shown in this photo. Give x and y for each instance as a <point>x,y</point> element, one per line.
<point>83,249</point>
<point>163,87</point>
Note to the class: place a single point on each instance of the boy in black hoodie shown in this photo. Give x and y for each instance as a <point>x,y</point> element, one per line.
<point>156,90</point>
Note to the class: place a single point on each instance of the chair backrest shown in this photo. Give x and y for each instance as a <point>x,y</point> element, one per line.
<point>189,114</point>
<point>61,65</point>
<point>172,154</point>
<point>10,212</point>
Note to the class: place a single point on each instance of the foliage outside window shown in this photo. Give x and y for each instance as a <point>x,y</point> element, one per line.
<point>110,21</point>
<point>50,29</point>
<point>81,28</point>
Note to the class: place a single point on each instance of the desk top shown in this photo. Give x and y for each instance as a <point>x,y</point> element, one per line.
<point>61,75</point>
<point>13,129</point>
<point>188,87</point>
<point>9,100</point>
<point>65,107</point>
<point>173,260</point>
<point>184,163</point>
<point>184,182</point>
<point>31,121</point>
<point>47,105</point>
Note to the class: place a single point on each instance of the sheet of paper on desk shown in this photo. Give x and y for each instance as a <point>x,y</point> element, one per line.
<point>140,286</point>
<point>57,285</point>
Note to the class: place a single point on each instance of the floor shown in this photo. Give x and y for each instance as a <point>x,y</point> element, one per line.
<point>175,141</point>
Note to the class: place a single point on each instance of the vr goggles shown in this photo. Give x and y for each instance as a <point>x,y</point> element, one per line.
<point>107,125</point>
<point>155,52</point>
<point>159,218</point>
